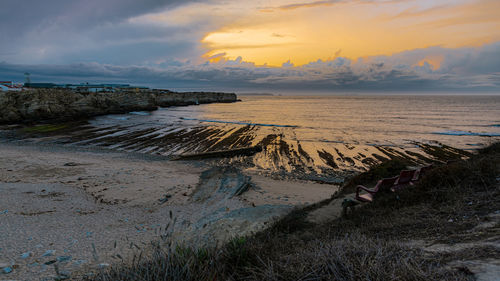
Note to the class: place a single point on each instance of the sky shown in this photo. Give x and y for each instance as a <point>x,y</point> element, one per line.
<point>260,45</point>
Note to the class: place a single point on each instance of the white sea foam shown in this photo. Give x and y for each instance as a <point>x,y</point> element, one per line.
<point>142,113</point>
<point>463,133</point>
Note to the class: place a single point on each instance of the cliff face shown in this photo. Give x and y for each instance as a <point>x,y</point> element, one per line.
<point>165,99</point>
<point>46,104</point>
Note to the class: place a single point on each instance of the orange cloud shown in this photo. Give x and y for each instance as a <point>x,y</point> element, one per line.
<point>434,61</point>
<point>358,28</point>
<point>308,5</point>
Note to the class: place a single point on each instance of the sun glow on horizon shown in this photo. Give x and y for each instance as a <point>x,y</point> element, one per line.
<point>303,34</point>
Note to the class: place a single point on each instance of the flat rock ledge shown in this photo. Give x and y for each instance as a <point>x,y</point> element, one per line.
<point>37,105</point>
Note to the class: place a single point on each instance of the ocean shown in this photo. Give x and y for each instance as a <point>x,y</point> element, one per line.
<point>305,136</point>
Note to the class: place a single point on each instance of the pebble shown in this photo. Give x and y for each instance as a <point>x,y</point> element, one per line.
<point>79,262</point>
<point>64,274</point>
<point>7,270</point>
<point>49,253</point>
<point>63,258</point>
<point>103,265</point>
<point>26,255</point>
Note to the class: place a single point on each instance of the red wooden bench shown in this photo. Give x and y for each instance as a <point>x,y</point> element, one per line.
<point>370,192</point>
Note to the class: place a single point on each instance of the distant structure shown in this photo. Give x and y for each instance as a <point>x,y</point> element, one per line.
<point>85,87</point>
<point>82,87</point>
<point>10,86</point>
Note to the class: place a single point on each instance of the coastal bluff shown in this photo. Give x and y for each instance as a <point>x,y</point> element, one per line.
<point>36,105</point>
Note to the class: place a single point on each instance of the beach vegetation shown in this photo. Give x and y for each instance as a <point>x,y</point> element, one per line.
<point>379,241</point>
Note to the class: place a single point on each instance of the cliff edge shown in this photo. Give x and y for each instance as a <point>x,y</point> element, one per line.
<point>61,104</point>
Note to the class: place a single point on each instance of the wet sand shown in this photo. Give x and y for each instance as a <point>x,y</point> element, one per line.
<point>79,209</point>
<point>281,154</point>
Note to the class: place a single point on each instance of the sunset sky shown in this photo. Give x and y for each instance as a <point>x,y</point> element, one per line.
<point>336,45</point>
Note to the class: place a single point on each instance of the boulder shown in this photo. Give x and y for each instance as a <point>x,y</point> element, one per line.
<point>221,183</point>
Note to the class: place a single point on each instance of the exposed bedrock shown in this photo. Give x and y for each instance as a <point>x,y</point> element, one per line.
<point>220,183</point>
<point>59,104</point>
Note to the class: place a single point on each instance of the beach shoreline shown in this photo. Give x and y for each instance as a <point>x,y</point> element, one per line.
<point>84,208</point>
<point>443,227</point>
<point>81,196</point>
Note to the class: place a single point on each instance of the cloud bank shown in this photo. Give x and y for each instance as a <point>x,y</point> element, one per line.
<point>160,43</point>
<point>61,31</point>
<point>462,69</point>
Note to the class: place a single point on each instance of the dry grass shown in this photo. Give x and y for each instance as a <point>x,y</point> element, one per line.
<point>351,256</point>
<point>444,206</point>
<point>447,202</point>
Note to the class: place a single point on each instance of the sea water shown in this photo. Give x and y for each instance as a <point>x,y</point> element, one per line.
<point>313,132</point>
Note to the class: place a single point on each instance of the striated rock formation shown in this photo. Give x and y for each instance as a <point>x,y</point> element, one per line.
<point>61,104</point>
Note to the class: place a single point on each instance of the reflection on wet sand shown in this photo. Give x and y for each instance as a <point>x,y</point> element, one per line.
<point>280,152</point>
<point>313,138</point>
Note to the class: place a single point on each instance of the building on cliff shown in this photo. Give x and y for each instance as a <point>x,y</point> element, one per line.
<point>84,87</point>
<point>10,86</point>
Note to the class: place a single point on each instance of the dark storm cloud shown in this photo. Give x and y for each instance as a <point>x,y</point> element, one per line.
<point>19,16</point>
<point>61,31</point>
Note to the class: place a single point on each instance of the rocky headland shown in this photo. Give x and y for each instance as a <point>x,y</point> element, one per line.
<point>36,105</point>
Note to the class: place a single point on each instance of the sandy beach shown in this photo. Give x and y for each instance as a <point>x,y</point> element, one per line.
<point>66,211</point>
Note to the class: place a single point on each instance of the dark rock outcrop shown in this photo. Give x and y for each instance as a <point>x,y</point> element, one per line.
<point>220,183</point>
<point>60,104</point>
<point>246,151</point>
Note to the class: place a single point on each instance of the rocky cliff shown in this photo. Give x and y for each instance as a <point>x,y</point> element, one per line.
<point>59,104</point>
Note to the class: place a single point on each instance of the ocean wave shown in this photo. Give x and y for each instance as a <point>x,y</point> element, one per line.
<point>239,123</point>
<point>121,118</point>
<point>464,133</point>
<point>142,113</point>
